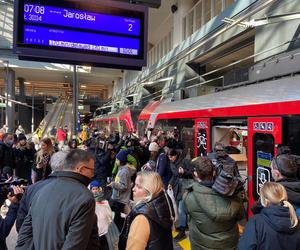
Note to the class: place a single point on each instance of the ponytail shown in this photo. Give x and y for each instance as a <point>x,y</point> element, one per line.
<point>273,193</point>
<point>293,216</point>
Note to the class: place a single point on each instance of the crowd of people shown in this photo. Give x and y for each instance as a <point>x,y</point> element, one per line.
<point>125,192</point>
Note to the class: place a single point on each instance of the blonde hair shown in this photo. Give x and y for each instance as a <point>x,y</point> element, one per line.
<point>273,193</point>
<point>50,150</point>
<point>152,183</point>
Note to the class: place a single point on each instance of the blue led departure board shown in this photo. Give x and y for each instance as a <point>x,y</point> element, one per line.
<point>100,33</point>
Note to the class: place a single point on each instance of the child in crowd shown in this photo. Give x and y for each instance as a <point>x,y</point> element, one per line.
<point>103,212</point>
<point>107,229</point>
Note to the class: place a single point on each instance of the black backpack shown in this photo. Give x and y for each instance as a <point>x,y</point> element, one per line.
<point>228,180</point>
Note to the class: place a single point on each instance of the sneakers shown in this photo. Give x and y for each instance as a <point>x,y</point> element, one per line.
<point>181,235</point>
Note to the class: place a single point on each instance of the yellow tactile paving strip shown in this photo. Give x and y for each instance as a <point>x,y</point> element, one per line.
<point>184,244</point>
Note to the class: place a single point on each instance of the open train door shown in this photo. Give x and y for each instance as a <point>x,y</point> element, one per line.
<point>202,137</point>
<point>265,133</point>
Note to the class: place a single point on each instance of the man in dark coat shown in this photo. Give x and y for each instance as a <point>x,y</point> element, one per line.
<point>56,163</point>
<point>67,220</point>
<point>182,178</point>
<point>7,157</point>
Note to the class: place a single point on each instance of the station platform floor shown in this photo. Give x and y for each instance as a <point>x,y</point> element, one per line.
<point>178,245</point>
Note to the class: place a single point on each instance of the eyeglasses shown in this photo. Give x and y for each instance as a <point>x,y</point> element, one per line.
<point>88,168</point>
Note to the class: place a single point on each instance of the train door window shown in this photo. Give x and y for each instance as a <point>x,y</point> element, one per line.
<point>263,152</point>
<point>114,126</point>
<point>184,128</point>
<point>123,127</point>
<point>141,128</point>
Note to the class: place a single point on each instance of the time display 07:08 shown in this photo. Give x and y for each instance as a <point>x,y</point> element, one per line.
<point>33,12</point>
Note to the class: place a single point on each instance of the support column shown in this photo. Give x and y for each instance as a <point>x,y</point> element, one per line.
<point>32,110</point>
<point>23,112</point>
<point>75,102</point>
<point>10,94</point>
<point>183,7</point>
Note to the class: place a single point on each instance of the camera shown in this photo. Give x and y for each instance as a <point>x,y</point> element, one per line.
<point>6,188</point>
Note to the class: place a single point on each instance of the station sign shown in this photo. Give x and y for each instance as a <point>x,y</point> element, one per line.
<point>99,33</point>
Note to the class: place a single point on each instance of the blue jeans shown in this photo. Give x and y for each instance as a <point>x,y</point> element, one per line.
<point>181,214</point>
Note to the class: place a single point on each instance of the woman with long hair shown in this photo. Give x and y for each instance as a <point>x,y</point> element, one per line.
<point>42,168</point>
<point>276,227</point>
<point>149,224</point>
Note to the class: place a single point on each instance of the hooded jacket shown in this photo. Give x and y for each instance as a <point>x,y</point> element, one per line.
<point>212,218</point>
<point>292,187</point>
<point>271,229</point>
<point>159,217</point>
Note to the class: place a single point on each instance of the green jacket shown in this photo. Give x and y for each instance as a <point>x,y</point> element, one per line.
<point>212,218</point>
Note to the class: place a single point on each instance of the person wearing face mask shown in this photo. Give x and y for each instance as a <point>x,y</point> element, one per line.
<point>7,157</point>
<point>24,158</point>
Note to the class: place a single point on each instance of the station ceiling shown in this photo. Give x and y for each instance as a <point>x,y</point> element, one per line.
<point>54,79</point>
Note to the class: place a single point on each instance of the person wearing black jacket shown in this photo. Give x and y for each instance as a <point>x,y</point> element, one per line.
<point>7,157</point>
<point>7,223</point>
<point>284,171</point>
<point>276,227</point>
<point>182,178</point>
<point>62,213</point>
<point>56,163</point>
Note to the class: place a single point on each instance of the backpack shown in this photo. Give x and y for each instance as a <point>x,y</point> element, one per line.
<point>228,180</point>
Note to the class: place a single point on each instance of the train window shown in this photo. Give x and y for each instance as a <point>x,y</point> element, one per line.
<point>114,126</point>
<point>185,127</point>
<point>123,128</point>
<point>291,133</point>
<point>141,128</point>
<point>263,152</point>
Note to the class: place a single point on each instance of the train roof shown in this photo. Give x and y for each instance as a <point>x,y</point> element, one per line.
<point>275,91</point>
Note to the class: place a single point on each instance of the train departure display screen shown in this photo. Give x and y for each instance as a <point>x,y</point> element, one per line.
<point>104,33</point>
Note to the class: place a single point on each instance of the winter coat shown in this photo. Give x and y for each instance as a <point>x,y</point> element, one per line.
<point>61,216</point>
<point>7,157</point>
<point>212,218</point>
<point>24,161</point>
<point>122,185</point>
<point>292,187</point>
<point>7,223</point>
<point>103,167</point>
<point>163,167</point>
<point>158,214</point>
<point>26,200</point>
<point>270,230</point>
<point>180,182</point>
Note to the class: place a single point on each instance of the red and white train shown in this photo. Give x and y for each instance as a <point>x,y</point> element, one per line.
<point>253,118</point>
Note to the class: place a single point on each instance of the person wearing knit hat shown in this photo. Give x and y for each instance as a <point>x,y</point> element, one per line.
<point>153,147</point>
<point>121,188</point>
<point>122,157</point>
<point>103,213</point>
<point>94,184</point>
<point>22,137</point>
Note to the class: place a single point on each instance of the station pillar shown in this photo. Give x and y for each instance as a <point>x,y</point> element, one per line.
<point>183,7</point>
<point>10,94</point>
<point>23,112</point>
<point>75,102</point>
